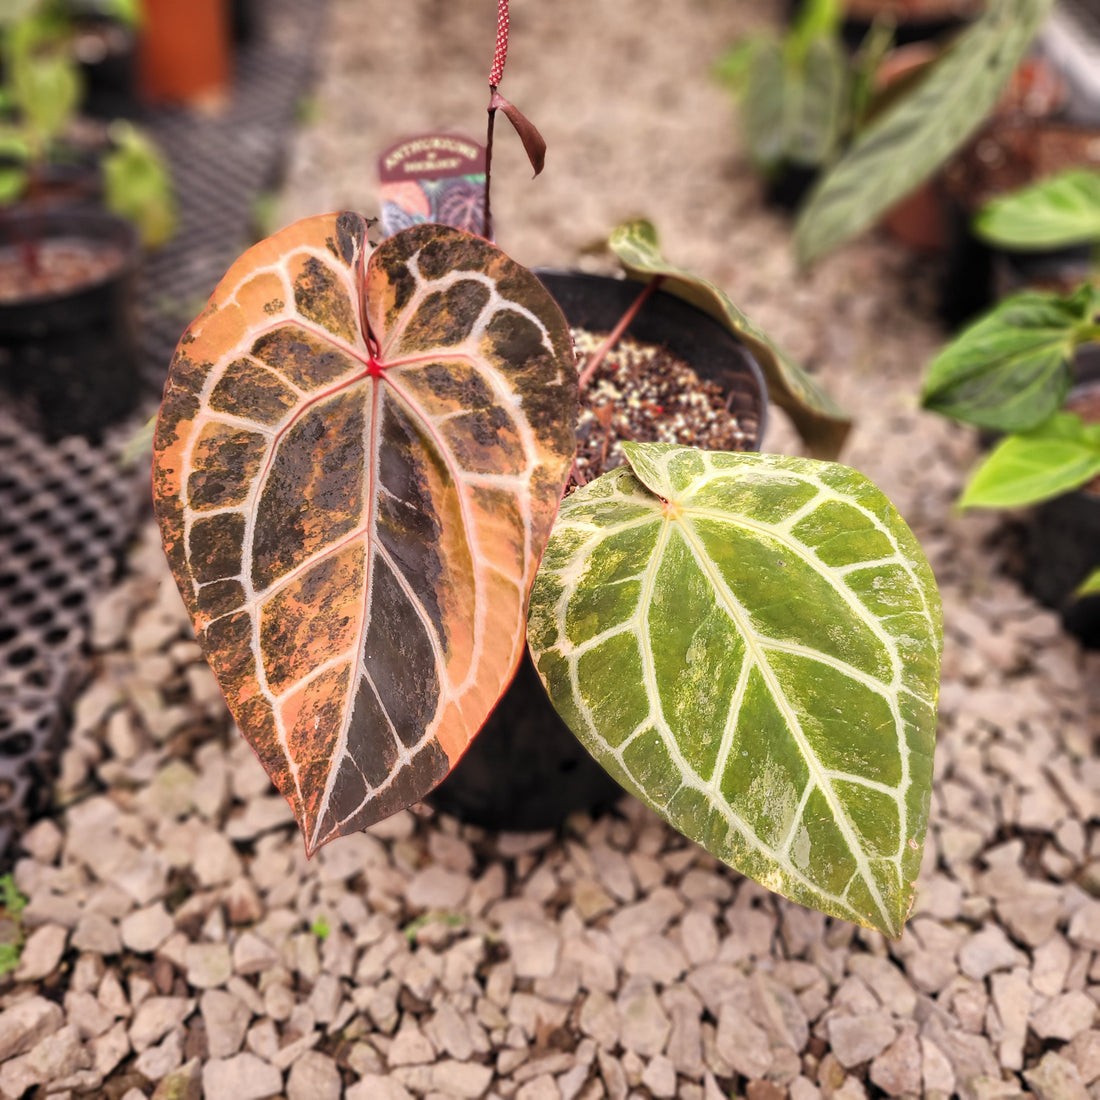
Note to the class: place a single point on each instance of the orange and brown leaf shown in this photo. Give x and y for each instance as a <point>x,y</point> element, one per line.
<point>358,460</point>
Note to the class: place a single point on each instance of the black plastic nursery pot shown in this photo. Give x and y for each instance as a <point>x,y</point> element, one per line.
<point>106,50</point>
<point>68,334</point>
<point>526,770</point>
<point>1063,538</point>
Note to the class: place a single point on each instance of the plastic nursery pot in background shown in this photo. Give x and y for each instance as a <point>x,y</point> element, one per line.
<point>1009,156</point>
<point>106,50</point>
<point>1063,538</point>
<point>920,221</point>
<point>916,20</point>
<point>68,336</point>
<point>184,52</point>
<point>526,770</point>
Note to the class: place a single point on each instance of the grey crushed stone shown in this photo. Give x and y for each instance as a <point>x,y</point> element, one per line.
<point>172,912</point>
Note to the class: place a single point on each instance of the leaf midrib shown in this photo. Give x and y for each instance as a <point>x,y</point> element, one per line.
<point>640,627</point>
<point>759,658</point>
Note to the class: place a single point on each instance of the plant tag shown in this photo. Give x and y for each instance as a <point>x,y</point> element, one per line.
<point>433,178</point>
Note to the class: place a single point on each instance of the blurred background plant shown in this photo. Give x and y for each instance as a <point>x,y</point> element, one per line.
<point>46,158</point>
<point>802,96</point>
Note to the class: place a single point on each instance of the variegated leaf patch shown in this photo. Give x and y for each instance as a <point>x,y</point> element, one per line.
<point>357,462</point>
<point>750,644</point>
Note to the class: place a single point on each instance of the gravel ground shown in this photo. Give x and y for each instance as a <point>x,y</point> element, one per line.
<point>178,939</point>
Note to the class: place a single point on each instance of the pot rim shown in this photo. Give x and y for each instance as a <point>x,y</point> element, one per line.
<point>92,226</point>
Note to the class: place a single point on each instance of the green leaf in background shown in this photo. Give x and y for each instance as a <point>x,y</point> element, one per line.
<point>762,104</point>
<point>902,147</point>
<point>817,19</point>
<point>794,93</point>
<point>1023,469</point>
<point>13,183</point>
<point>750,645</point>
<point>1090,586</point>
<point>763,85</point>
<point>1060,211</point>
<point>137,185</point>
<point>822,424</point>
<point>1011,369</point>
<point>46,82</point>
<point>816,119</point>
<point>12,11</point>
<point>732,69</point>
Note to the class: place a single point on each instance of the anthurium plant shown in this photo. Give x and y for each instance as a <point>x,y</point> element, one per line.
<point>359,467</point>
<point>1012,370</point>
<point>907,141</point>
<point>800,96</point>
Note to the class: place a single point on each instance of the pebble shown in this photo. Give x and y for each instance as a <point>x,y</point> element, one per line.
<point>1056,1078</point>
<point>41,953</point>
<point>208,964</point>
<point>158,1061</point>
<point>600,1018</point>
<point>155,1017</point>
<point>1065,1016</point>
<point>43,840</point>
<point>897,1070</point>
<point>242,1077</point>
<point>97,932</point>
<point>226,1019</point>
<point>857,1039</point>
<point>25,1023</point>
<point>373,1086</point>
<point>986,951</point>
<point>437,887</point>
<point>660,1077</point>
<point>740,1042</point>
<point>144,930</point>
<point>410,1046</point>
<point>655,957</point>
<point>534,945</point>
<point>644,1026</point>
<point>1084,926</point>
<point>314,1076</point>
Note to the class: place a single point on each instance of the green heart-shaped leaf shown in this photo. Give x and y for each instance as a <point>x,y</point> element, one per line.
<point>1053,213</point>
<point>357,462</point>
<point>1062,455</point>
<point>1013,368</point>
<point>909,141</point>
<point>750,644</point>
<point>823,425</point>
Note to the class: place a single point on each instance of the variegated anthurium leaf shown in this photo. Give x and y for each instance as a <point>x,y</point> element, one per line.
<point>357,463</point>
<point>823,425</point>
<point>904,145</point>
<point>750,644</point>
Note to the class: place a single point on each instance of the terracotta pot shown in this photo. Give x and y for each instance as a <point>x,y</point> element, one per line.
<point>184,52</point>
<point>920,221</point>
<point>69,359</point>
<point>526,770</point>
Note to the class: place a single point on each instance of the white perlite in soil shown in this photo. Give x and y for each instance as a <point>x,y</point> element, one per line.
<point>179,939</point>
